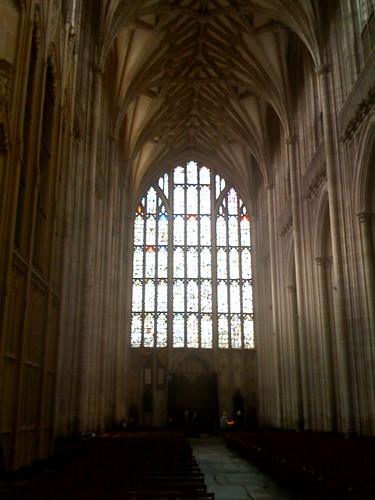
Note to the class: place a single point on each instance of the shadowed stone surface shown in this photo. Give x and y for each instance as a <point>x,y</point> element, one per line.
<point>232,478</point>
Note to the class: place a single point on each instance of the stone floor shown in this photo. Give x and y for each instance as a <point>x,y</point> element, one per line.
<point>231,477</point>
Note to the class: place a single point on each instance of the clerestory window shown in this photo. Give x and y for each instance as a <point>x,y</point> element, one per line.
<point>192,279</point>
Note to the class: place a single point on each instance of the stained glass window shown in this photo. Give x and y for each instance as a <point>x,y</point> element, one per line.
<point>192,279</point>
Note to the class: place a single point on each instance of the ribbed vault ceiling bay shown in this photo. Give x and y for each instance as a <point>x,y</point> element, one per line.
<point>205,78</point>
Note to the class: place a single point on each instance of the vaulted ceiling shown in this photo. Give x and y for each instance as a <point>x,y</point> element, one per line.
<point>203,79</point>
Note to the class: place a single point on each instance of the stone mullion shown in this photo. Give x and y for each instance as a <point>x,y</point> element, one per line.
<point>170,265</point>
<point>275,318</point>
<point>301,331</point>
<point>342,334</point>
<point>328,367</point>
<point>87,347</point>
<point>213,218</point>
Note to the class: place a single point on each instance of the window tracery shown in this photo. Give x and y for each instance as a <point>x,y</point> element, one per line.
<point>192,280</point>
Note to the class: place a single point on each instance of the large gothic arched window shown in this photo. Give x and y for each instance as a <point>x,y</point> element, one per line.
<point>192,264</point>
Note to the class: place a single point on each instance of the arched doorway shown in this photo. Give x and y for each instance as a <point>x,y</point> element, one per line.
<point>193,387</point>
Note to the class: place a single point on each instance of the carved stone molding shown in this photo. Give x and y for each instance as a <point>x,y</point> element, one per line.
<point>359,102</point>
<point>19,262</point>
<point>360,114</point>
<point>6,85</point>
<point>285,220</point>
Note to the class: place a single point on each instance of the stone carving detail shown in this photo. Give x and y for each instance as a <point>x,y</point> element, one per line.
<point>361,112</point>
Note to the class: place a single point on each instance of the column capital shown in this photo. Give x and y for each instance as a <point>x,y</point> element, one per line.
<point>364,217</point>
<point>321,261</point>
<point>322,69</point>
<point>291,139</point>
<point>97,67</point>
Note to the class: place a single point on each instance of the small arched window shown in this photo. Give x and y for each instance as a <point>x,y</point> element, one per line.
<point>192,279</point>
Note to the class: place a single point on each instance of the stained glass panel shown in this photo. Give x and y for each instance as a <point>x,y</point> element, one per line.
<point>178,296</point>
<point>192,172</point>
<point>192,296</point>
<point>179,175</point>
<point>151,230</point>
<point>205,230</point>
<point>178,262</point>
<point>192,200</point>
<point>222,296</point>
<point>205,200</point>
<point>179,230</point>
<point>162,262</point>
<point>192,230</point>
<point>138,229</point>
<point>149,330</point>
<point>205,263</point>
<point>136,330</point>
<point>150,262</point>
<point>138,263</point>
<point>179,200</point>
<point>195,283</point>
<point>162,295</point>
<point>206,296</point>
<point>192,263</point>
<point>151,201</point>
<point>235,331</point>
<point>233,231</point>
<point>137,304</point>
<point>232,202</point>
<point>178,330</point>
<point>150,295</point>
<point>222,331</point>
<point>222,264</point>
<point>235,297</point>
<point>163,229</point>
<point>204,175</point>
<point>206,331</point>
<point>245,230</point>
<point>246,263</point>
<point>161,322</point>
<point>247,297</point>
<point>192,339</point>
<point>234,269</point>
<point>221,231</point>
<point>248,331</point>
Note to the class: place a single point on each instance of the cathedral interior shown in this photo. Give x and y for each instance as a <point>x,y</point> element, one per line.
<point>187,217</point>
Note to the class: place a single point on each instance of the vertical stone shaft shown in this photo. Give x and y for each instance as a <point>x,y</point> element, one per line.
<point>338,295</point>
<point>329,389</point>
<point>86,370</point>
<point>275,321</point>
<point>305,420</point>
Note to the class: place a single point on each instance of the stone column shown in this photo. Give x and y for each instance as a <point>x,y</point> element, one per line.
<point>338,288</point>
<point>369,267</point>
<point>275,308</point>
<point>369,270</point>
<point>106,351</point>
<point>86,368</point>
<point>296,354</point>
<point>305,421</point>
<point>329,389</point>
